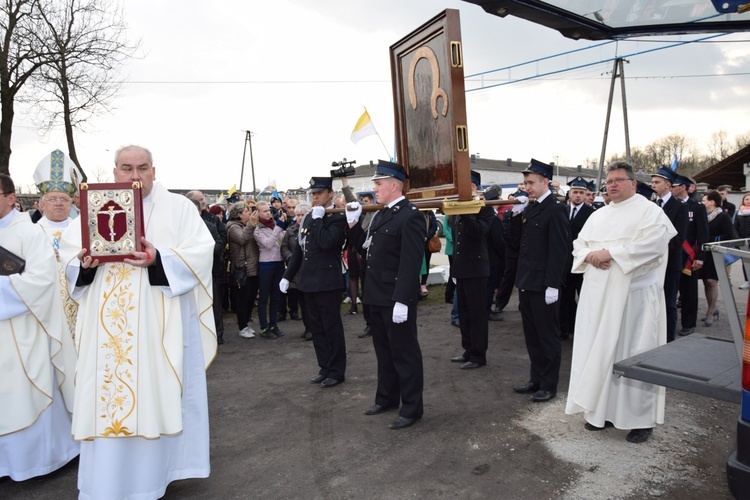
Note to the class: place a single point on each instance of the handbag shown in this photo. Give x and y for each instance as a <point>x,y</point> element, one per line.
<point>239,273</point>
<point>434,245</point>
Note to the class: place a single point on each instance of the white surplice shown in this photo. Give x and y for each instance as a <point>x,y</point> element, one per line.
<point>621,313</point>
<point>35,426</point>
<point>141,404</point>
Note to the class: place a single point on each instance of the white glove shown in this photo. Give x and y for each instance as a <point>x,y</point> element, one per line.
<point>523,201</point>
<point>400,312</point>
<point>551,295</point>
<point>317,212</point>
<point>454,280</point>
<point>353,211</point>
<point>284,285</point>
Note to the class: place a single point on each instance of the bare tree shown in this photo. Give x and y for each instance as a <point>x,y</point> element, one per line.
<point>21,56</point>
<point>718,146</point>
<point>88,43</point>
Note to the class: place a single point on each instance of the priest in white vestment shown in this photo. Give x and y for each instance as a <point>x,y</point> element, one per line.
<point>35,383</point>
<point>145,336</point>
<point>622,253</point>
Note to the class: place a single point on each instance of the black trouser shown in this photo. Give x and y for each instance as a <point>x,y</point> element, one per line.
<point>243,300</point>
<point>493,282</point>
<point>218,318</point>
<point>450,287</point>
<point>508,281</point>
<point>365,307</point>
<point>671,286</point>
<point>324,311</point>
<point>568,304</point>
<point>689,299</point>
<point>427,257</point>
<point>472,318</point>
<point>542,333</point>
<point>292,300</point>
<point>400,372</point>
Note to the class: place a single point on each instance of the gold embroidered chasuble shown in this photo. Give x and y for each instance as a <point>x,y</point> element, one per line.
<point>30,340</point>
<point>54,231</point>
<point>129,334</point>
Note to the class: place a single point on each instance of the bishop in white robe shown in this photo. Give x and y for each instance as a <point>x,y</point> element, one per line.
<point>621,309</point>
<point>145,336</point>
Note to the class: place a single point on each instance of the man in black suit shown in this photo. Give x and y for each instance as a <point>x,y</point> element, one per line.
<point>677,212</point>
<point>542,259</point>
<point>692,253</point>
<point>496,251</point>
<point>578,213</point>
<point>471,269</point>
<point>318,259</point>
<point>394,245</point>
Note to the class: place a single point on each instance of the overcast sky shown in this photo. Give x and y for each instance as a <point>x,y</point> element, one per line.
<point>298,73</point>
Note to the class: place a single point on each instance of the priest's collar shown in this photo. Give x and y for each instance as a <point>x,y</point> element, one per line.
<point>5,221</point>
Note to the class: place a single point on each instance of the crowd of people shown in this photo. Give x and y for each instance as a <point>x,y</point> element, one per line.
<point>109,356</point>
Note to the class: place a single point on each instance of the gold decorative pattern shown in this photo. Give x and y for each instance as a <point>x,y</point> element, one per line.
<point>117,393</point>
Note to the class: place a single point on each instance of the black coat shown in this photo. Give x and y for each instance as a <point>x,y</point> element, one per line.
<point>495,243</point>
<point>394,257</point>
<point>470,253</point>
<point>697,230</point>
<point>319,263</point>
<point>545,246</point>
<point>677,212</point>
<point>582,215</point>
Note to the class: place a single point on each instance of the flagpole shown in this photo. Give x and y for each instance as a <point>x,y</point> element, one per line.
<point>384,146</point>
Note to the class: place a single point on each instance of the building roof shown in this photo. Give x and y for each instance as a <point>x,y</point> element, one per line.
<point>729,171</point>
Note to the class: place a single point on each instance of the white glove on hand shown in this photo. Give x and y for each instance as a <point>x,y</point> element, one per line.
<point>284,285</point>
<point>353,211</point>
<point>523,202</point>
<point>551,295</point>
<point>400,312</point>
<point>318,212</point>
<point>454,280</point>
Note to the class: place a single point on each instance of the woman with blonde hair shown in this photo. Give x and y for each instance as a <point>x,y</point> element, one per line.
<point>270,270</point>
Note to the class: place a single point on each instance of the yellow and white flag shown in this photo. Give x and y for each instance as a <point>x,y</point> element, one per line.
<point>232,190</point>
<point>363,128</point>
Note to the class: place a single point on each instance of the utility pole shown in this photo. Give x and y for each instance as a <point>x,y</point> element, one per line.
<point>248,142</point>
<point>618,71</point>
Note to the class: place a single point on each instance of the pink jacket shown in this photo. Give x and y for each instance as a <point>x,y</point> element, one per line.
<point>269,243</point>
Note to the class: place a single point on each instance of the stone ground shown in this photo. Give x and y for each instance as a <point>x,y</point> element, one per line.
<point>274,435</point>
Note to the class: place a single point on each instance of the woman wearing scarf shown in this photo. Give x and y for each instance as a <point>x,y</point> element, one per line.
<point>719,229</point>
<point>270,271</point>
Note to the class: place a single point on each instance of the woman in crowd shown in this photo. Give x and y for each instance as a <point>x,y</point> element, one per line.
<point>719,229</point>
<point>742,226</point>
<point>270,270</point>
<point>17,205</point>
<point>223,277</point>
<point>288,243</point>
<point>243,250</point>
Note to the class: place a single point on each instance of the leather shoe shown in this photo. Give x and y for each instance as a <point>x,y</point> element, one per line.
<point>402,422</point>
<point>455,323</point>
<point>542,396</point>
<point>295,317</point>
<point>639,435</point>
<point>329,382</point>
<point>459,359</point>
<point>526,388</point>
<point>367,332</point>
<point>376,409</point>
<point>592,427</point>
<point>307,335</point>
<point>686,331</point>
<point>470,365</point>
<point>495,316</point>
<point>317,379</point>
